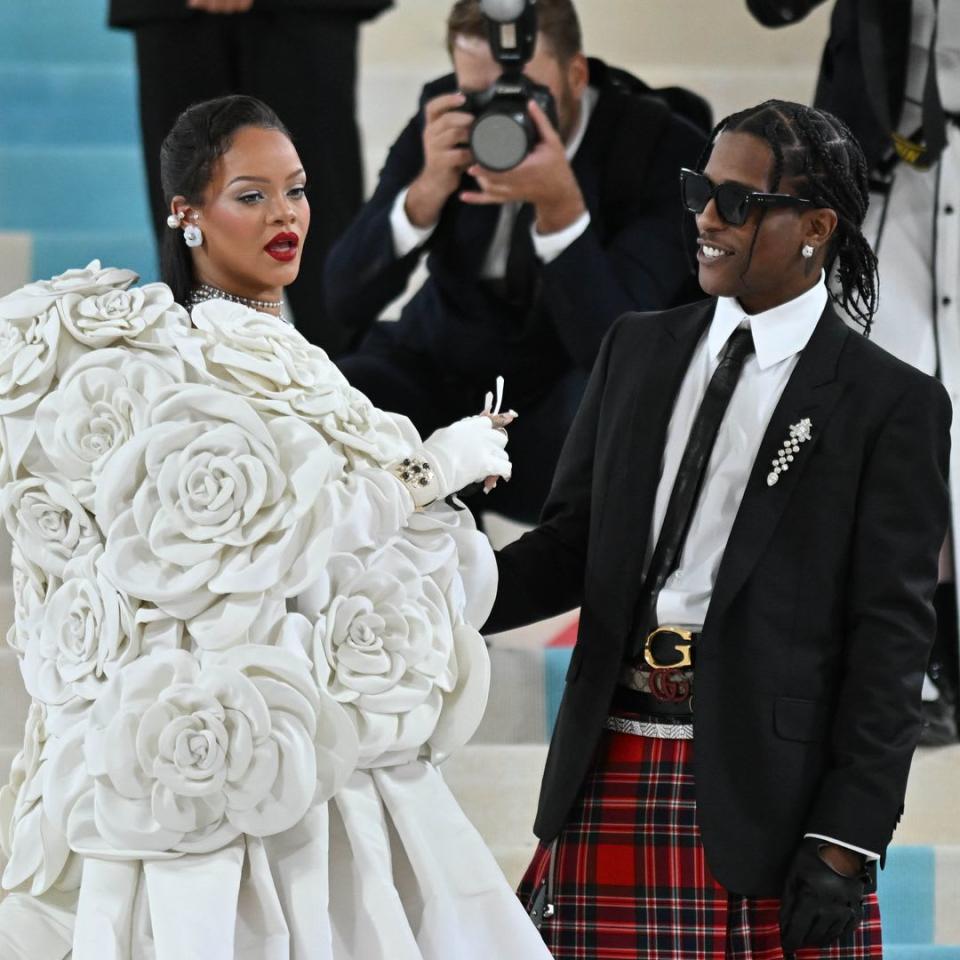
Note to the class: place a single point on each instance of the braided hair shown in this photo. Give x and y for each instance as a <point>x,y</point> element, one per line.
<point>200,136</point>
<point>821,157</point>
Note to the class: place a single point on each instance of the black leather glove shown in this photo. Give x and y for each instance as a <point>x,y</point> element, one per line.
<point>819,905</point>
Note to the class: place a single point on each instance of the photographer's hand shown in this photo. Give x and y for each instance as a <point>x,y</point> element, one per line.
<point>544,179</point>
<point>446,129</point>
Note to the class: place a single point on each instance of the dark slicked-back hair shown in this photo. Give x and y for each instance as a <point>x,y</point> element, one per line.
<point>200,136</point>
<point>821,160</point>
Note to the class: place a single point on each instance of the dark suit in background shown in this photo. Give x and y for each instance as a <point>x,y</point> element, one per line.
<point>542,326</point>
<point>811,659</point>
<point>299,57</point>
<point>864,68</point>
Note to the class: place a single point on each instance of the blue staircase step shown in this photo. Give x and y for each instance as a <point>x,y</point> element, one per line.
<point>50,104</point>
<point>906,891</point>
<point>65,188</point>
<point>61,31</point>
<point>55,251</point>
<point>916,951</point>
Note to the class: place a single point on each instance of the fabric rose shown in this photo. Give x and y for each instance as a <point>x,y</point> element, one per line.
<point>101,319</point>
<point>383,646</point>
<point>28,355</point>
<point>36,851</point>
<point>87,634</point>
<point>99,404</point>
<point>48,522</point>
<point>37,297</point>
<point>211,512</point>
<point>31,589</point>
<point>179,758</point>
<point>267,361</point>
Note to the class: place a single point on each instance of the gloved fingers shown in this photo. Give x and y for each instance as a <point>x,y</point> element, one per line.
<point>499,467</point>
<point>836,930</point>
<point>795,927</point>
<point>828,924</point>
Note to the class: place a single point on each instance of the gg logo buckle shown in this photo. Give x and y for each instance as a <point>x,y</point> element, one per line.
<point>682,648</point>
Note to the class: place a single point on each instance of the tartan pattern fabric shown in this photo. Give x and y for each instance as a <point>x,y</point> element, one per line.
<point>631,881</point>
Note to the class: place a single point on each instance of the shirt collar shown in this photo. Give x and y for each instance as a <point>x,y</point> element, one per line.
<point>778,333</point>
<point>587,103</point>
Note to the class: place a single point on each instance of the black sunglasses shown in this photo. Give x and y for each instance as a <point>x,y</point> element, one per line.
<point>733,199</point>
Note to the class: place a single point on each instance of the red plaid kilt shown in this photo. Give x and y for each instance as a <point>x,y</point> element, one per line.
<point>631,881</point>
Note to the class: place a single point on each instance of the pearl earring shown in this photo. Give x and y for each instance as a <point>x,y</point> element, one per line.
<point>806,251</point>
<point>192,235</point>
<point>174,220</point>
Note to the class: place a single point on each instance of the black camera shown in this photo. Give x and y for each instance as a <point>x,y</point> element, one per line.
<point>504,132</point>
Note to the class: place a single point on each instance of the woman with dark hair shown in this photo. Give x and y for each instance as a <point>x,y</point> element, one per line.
<point>748,510</point>
<point>259,599</point>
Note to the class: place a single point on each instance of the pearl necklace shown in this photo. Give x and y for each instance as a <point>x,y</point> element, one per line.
<point>205,291</point>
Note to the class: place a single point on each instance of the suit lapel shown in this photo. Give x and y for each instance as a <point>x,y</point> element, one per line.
<point>649,404</point>
<point>811,392</point>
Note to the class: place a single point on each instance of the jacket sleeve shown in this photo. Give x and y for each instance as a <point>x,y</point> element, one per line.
<point>900,526</point>
<point>780,13</point>
<point>363,273</point>
<point>542,573</point>
<point>644,266</point>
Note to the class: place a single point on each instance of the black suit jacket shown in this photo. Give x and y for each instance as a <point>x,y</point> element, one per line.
<point>810,665</point>
<point>864,69</point>
<point>130,13</point>
<point>632,256</point>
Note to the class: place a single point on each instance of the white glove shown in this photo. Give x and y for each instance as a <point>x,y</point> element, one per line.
<point>466,452</point>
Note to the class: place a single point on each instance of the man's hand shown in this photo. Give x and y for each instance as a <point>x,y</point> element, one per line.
<point>220,6</point>
<point>544,179</point>
<point>821,904</point>
<point>445,132</point>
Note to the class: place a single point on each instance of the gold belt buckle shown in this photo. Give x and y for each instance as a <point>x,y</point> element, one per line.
<point>682,648</point>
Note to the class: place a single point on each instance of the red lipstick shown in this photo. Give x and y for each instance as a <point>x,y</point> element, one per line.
<point>283,247</point>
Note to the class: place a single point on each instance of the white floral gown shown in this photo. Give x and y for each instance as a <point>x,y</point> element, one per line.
<point>246,651</point>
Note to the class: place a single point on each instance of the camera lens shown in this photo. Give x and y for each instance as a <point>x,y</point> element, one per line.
<point>499,141</point>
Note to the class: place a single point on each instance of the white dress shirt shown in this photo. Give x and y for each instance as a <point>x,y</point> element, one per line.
<point>779,335</point>
<point>548,246</point>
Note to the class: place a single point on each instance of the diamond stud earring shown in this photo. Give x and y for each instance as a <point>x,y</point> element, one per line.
<point>806,251</point>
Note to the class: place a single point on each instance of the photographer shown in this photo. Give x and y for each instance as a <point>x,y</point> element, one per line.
<point>528,267</point>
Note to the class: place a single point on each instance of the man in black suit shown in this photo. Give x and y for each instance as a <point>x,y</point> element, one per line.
<point>748,509</point>
<point>891,70</point>
<point>300,57</point>
<point>527,269</point>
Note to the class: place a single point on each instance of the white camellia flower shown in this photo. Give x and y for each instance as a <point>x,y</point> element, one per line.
<point>267,361</point>
<point>48,522</point>
<point>179,758</point>
<point>99,404</point>
<point>91,280</point>
<point>36,850</point>
<point>28,355</point>
<point>32,587</point>
<point>383,646</point>
<point>87,634</point>
<point>99,320</point>
<point>211,512</point>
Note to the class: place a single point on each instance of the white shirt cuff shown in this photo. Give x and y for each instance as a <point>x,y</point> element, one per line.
<point>869,854</point>
<point>406,236</point>
<point>549,246</point>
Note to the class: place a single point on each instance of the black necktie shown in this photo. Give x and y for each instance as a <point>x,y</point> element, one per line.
<point>690,474</point>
